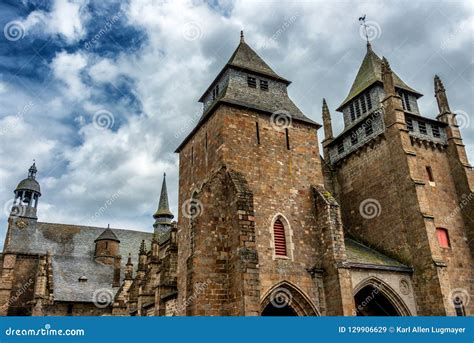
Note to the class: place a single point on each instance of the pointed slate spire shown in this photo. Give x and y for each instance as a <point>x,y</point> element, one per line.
<point>327,121</point>
<point>370,72</point>
<point>163,214</point>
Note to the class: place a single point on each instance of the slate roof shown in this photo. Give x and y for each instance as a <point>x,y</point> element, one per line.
<point>244,57</point>
<point>107,235</point>
<point>72,251</point>
<point>370,72</point>
<point>28,184</point>
<point>360,254</point>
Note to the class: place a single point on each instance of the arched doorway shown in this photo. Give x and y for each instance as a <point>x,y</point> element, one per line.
<point>285,299</point>
<point>370,301</point>
<point>375,298</point>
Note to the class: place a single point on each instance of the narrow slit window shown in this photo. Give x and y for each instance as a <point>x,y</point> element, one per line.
<point>263,85</point>
<point>287,139</point>
<point>251,82</point>
<point>422,127</point>
<point>369,101</point>
<point>362,103</point>
<point>443,238</point>
<point>192,155</point>
<point>351,107</point>
<point>409,125</point>
<point>69,309</point>
<point>340,148</point>
<point>279,238</point>
<point>206,141</point>
<point>407,102</point>
<point>257,133</point>
<point>400,94</point>
<point>357,107</point>
<point>429,171</point>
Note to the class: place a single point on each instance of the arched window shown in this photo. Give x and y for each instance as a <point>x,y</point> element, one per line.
<point>279,238</point>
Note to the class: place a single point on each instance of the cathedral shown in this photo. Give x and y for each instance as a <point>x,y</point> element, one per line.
<point>378,223</point>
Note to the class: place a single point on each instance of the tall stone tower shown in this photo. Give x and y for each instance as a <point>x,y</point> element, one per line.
<point>248,232</point>
<point>405,185</point>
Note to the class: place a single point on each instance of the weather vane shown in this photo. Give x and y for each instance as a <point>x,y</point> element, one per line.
<point>362,22</point>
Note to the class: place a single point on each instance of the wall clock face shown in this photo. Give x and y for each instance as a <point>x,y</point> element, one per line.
<point>21,224</point>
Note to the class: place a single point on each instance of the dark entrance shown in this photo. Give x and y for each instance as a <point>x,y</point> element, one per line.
<point>272,310</point>
<point>370,301</point>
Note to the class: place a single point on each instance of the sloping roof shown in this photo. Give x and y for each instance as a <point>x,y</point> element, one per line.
<point>360,254</point>
<point>107,235</point>
<point>370,72</point>
<point>244,57</point>
<point>72,251</point>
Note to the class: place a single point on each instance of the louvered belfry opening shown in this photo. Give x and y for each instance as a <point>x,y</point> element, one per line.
<point>279,237</point>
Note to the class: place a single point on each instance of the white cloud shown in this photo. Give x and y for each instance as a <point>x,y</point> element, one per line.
<point>67,68</point>
<point>67,19</point>
<point>187,45</point>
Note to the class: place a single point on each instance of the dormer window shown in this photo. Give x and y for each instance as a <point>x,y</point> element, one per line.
<point>251,82</point>
<point>409,124</point>
<point>340,148</point>
<point>264,85</point>
<point>405,100</point>
<point>422,127</point>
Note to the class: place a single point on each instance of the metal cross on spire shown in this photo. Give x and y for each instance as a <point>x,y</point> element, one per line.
<point>362,22</point>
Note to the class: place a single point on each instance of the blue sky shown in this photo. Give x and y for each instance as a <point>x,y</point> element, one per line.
<point>100,93</point>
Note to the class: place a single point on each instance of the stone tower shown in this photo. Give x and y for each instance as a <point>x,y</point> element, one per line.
<point>248,228</point>
<point>163,215</point>
<point>405,185</point>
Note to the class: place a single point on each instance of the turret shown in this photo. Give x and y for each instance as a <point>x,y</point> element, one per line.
<point>27,194</point>
<point>106,247</point>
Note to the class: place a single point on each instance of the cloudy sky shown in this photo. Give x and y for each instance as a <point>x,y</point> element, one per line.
<point>100,93</point>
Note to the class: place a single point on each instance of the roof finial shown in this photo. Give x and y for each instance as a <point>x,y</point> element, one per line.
<point>32,171</point>
<point>241,36</point>
<point>362,22</point>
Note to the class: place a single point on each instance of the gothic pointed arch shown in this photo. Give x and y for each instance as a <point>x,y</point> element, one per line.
<point>374,297</point>
<point>282,237</point>
<point>286,299</point>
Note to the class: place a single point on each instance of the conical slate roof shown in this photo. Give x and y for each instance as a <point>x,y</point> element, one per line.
<point>163,207</point>
<point>108,235</point>
<point>370,72</point>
